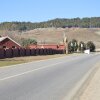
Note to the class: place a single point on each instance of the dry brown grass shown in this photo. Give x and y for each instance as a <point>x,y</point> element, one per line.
<point>18,60</point>
<point>55,35</point>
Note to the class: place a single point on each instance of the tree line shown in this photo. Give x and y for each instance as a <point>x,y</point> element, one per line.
<point>73,46</point>
<point>93,22</point>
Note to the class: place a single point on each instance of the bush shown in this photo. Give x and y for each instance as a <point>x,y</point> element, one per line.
<point>90,45</point>
<point>82,46</point>
<point>75,45</point>
<point>72,46</point>
<point>26,42</point>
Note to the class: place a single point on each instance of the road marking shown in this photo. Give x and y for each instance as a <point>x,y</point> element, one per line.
<point>33,62</point>
<point>34,70</point>
<point>30,71</point>
<point>75,92</point>
<point>69,55</point>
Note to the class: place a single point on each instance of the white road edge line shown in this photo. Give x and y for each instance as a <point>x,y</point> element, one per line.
<point>72,95</point>
<point>30,71</point>
<point>38,61</point>
<point>33,62</point>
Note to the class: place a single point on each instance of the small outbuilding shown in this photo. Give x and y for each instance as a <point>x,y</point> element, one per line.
<point>7,42</point>
<point>47,46</point>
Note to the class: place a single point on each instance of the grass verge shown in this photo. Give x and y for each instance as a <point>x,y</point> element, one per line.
<point>19,60</point>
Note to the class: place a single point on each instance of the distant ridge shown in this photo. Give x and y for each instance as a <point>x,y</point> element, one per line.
<point>93,22</point>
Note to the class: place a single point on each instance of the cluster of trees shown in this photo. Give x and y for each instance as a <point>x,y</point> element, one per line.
<point>26,42</point>
<point>59,22</point>
<point>73,46</point>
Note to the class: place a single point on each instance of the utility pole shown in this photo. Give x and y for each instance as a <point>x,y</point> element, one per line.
<point>65,43</point>
<point>90,23</point>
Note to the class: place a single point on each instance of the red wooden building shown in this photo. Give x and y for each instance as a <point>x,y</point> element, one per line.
<point>7,42</point>
<point>48,46</point>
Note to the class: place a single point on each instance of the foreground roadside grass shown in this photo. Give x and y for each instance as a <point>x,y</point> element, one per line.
<point>19,60</point>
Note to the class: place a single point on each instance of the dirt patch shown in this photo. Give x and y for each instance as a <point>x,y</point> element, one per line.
<point>98,32</point>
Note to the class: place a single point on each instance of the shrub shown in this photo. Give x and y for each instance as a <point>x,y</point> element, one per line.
<point>75,45</point>
<point>26,42</point>
<point>72,46</point>
<point>82,46</point>
<point>90,45</point>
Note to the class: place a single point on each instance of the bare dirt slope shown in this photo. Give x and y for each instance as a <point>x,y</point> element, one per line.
<point>55,35</point>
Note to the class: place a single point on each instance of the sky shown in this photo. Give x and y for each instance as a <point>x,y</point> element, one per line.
<point>43,10</point>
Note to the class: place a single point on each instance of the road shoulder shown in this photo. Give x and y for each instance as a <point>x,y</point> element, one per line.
<point>91,88</point>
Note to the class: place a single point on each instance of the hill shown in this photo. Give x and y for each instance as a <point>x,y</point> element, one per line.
<point>55,35</point>
<point>93,22</point>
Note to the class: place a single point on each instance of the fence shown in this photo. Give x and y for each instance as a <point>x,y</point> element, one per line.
<point>9,53</point>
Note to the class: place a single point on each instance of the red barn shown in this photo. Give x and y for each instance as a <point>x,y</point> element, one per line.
<point>48,46</point>
<point>7,42</point>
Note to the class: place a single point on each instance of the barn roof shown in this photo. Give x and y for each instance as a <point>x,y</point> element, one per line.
<point>53,46</point>
<point>2,38</point>
<point>7,37</point>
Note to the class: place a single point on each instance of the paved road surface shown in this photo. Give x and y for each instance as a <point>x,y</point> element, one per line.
<point>45,80</point>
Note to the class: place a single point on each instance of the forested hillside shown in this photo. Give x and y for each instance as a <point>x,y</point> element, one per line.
<point>93,22</point>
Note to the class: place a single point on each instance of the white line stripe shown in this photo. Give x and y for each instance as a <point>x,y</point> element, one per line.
<point>30,71</point>
<point>64,56</point>
<point>34,61</point>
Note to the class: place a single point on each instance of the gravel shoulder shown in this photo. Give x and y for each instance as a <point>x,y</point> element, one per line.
<point>91,91</point>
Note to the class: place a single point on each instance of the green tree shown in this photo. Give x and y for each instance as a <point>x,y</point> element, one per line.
<point>82,46</point>
<point>70,47</point>
<point>75,45</point>
<point>90,45</point>
<point>26,42</point>
<point>22,28</point>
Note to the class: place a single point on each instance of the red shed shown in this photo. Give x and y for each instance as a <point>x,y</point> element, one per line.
<point>7,42</point>
<point>47,46</point>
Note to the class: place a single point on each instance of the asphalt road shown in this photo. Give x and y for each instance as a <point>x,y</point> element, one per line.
<point>45,80</point>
